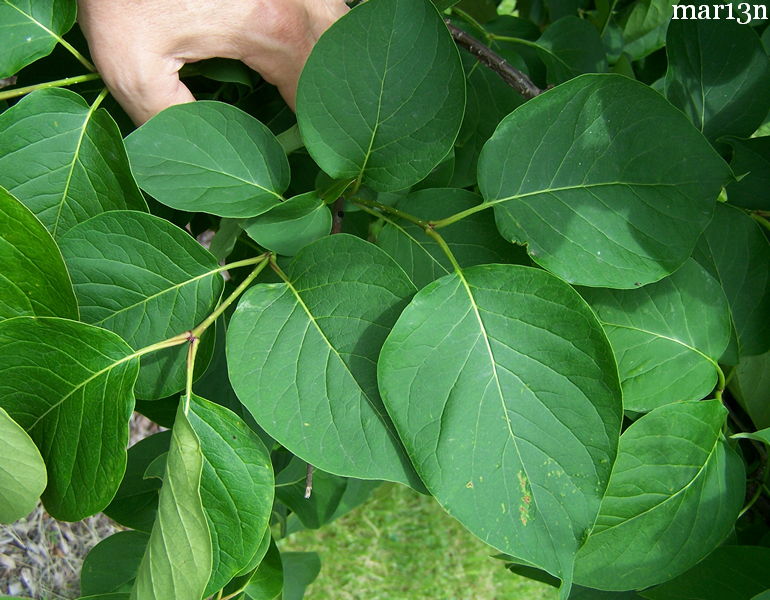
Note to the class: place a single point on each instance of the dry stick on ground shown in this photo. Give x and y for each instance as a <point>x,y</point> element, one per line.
<point>489,58</point>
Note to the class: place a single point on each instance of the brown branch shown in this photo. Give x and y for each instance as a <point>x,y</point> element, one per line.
<point>489,58</point>
<point>309,480</point>
<point>338,213</point>
<point>7,82</point>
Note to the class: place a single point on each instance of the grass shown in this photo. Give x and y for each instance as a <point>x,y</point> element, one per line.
<point>403,546</point>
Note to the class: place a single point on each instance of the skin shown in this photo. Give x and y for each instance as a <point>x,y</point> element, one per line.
<point>140,45</point>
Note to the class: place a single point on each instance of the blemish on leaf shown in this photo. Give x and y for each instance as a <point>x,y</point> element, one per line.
<point>526,498</point>
<point>469,485</point>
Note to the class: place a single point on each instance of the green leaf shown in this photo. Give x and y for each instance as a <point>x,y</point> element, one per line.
<point>299,570</point>
<point>481,10</point>
<point>147,280</point>
<point>34,280</point>
<point>236,488</point>
<point>763,435</point>
<point>112,564</point>
<point>504,390</point>
<point>750,384</point>
<point>734,250</point>
<point>64,160</point>
<point>676,490</point>
<point>490,99</point>
<point>267,581</point>
<point>644,27</point>
<point>22,471</point>
<point>717,100</point>
<point>157,468</point>
<point>304,363</point>
<point>292,225</point>
<point>571,47</point>
<point>474,241</point>
<point>583,593</point>
<point>734,572</point>
<point>382,95</point>
<point>751,158</point>
<point>442,5</point>
<point>601,198</point>
<point>209,157</point>
<point>31,29</point>
<point>178,560</point>
<point>69,385</point>
<point>667,336</point>
<point>136,502</point>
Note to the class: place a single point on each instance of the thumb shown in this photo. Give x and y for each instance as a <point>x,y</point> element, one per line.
<point>144,85</point>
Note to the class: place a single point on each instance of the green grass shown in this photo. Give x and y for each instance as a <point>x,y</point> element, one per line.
<point>403,546</point>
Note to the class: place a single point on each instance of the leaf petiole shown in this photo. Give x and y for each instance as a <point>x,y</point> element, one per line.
<point>192,351</point>
<point>261,262</point>
<point>461,215</point>
<point>14,93</point>
<point>429,227</point>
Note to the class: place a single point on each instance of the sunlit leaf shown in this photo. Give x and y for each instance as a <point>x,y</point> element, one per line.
<point>504,390</point>
<point>65,161</point>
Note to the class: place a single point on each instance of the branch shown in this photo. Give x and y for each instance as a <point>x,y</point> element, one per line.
<point>7,82</point>
<point>489,58</point>
<point>338,213</point>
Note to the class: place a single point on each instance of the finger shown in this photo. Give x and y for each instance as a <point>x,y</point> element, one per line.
<point>320,16</point>
<point>144,85</point>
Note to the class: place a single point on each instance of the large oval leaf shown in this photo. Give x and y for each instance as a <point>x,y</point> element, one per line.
<point>750,162</point>
<point>474,241</point>
<point>734,572</point>
<point>34,280</point>
<point>64,160</point>
<point>31,29</point>
<point>750,384</point>
<point>599,195</point>
<point>177,562</point>
<point>70,386</point>
<point>676,490</point>
<point>136,502</point>
<point>22,471</point>
<point>382,95</point>
<point>490,99</point>
<point>147,280</point>
<point>571,46</point>
<point>236,488</point>
<point>504,390</point>
<point>667,336</point>
<point>209,157</point>
<point>302,357</point>
<point>735,251</point>
<point>719,101</point>
<point>111,566</point>
<point>267,581</point>
<point>291,225</point>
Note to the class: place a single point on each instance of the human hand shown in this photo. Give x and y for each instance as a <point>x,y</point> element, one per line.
<point>140,45</point>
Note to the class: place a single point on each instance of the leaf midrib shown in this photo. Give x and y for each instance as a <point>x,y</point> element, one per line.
<point>147,299</point>
<point>331,347</point>
<point>513,437</point>
<point>683,489</point>
<point>75,158</point>
<point>661,336</point>
<point>82,384</point>
<point>32,19</point>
